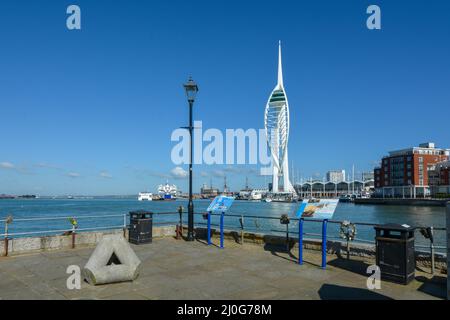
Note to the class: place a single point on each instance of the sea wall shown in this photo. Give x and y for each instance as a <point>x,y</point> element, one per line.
<point>83,239</point>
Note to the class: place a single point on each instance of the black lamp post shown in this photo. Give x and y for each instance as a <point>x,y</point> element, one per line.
<point>191,89</point>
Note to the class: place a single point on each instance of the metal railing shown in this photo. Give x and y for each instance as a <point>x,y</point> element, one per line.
<point>124,218</point>
<point>179,219</point>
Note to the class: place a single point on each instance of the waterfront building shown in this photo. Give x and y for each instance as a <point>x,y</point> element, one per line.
<point>439,179</point>
<point>336,176</point>
<point>276,123</point>
<point>404,173</point>
<point>329,189</point>
<point>368,176</point>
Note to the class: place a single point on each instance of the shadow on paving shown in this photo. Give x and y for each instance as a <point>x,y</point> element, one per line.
<point>359,267</point>
<point>436,286</point>
<point>277,249</point>
<point>335,292</point>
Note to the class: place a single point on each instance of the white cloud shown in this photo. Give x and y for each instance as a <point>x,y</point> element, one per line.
<point>73,175</point>
<point>105,175</point>
<point>204,174</point>
<point>179,173</point>
<point>7,165</point>
<point>218,173</point>
<point>46,165</point>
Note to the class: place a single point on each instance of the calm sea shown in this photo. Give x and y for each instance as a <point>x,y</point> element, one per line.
<point>34,208</point>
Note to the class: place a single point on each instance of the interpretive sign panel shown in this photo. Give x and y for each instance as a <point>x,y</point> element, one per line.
<point>317,208</point>
<point>220,204</point>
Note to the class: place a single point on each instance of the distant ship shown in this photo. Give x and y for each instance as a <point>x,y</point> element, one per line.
<point>7,196</point>
<point>168,191</point>
<point>145,196</point>
<point>257,194</point>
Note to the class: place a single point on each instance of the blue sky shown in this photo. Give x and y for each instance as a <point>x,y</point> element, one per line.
<point>92,111</point>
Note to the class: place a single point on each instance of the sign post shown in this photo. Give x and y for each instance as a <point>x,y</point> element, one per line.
<point>209,228</point>
<point>221,229</point>
<point>324,243</point>
<point>300,241</point>
<point>319,209</point>
<point>219,204</point>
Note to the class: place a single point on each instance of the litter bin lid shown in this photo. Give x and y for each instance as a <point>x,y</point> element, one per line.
<point>140,212</point>
<point>394,227</point>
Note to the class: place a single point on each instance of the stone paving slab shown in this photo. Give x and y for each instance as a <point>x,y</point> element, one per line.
<point>174,269</point>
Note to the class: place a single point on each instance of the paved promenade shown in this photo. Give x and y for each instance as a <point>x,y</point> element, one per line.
<point>174,269</point>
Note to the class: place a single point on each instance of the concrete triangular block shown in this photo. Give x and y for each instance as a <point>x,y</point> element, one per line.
<point>113,260</point>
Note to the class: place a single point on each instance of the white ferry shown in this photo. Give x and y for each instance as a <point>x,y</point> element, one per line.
<point>168,191</point>
<point>145,196</point>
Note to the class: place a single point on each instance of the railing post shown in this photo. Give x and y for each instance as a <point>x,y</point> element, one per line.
<point>448,248</point>
<point>73,237</point>
<point>6,239</point>
<point>6,245</point>
<point>8,220</point>
<point>180,227</point>
<point>324,243</point>
<point>221,229</point>
<point>300,241</point>
<point>209,229</point>
<point>242,229</point>
<point>124,225</point>
<point>287,237</point>
<point>432,250</point>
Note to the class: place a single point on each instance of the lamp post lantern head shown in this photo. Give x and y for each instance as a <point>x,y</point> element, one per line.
<point>191,89</point>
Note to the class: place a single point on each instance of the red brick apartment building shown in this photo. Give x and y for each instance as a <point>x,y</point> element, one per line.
<point>439,177</point>
<point>405,173</point>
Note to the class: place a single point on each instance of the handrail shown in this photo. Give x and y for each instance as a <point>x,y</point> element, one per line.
<point>309,220</point>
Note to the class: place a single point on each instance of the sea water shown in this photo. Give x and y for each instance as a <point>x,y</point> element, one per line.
<point>99,208</point>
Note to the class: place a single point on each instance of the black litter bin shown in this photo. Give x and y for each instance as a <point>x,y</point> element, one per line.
<point>141,225</point>
<point>395,252</point>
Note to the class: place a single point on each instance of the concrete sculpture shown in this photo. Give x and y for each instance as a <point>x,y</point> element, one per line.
<point>113,260</point>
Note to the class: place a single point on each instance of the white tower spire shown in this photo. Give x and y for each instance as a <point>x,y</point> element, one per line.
<point>276,121</point>
<point>280,68</point>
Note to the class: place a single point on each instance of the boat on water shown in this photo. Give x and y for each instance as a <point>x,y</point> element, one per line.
<point>257,194</point>
<point>145,196</point>
<point>168,191</point>
<point>346,198</point>
<point>267,200</point>
<point>6,196</point>
<point>281,197</point>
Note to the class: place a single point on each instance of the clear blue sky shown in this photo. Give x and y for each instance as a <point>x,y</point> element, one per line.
<point>92,111</point>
